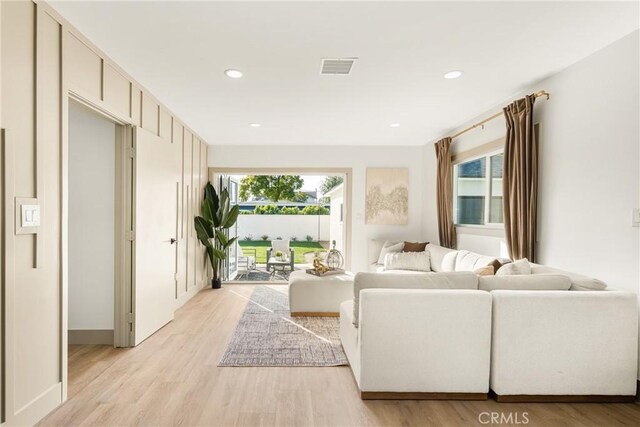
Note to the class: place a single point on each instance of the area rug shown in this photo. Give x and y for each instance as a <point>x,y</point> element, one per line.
<point>259,276</point>
<point>267,335</point>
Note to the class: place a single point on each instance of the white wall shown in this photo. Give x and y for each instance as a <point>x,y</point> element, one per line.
<point>589,168</point>
<point>358,158</point>
<point>91,219</point>
<point>285,226</point>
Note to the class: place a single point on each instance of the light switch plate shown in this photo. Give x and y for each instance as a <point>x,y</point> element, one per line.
<point>27,215</point>
<point>30,216</point>
<point>636,218</point>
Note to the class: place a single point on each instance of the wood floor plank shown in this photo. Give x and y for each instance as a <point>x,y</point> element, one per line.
<point>172,379</point>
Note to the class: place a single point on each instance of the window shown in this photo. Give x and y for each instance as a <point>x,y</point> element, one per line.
<point>478,191</point>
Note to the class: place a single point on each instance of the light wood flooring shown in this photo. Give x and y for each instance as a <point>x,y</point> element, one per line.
<point>173,379</point>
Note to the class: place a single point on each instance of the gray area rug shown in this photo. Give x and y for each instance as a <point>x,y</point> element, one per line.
<point>268,336</point>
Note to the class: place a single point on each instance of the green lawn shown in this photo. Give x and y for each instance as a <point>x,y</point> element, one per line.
<point>261,247</point>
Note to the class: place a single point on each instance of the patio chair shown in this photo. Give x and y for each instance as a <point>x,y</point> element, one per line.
<point>282,246</point>
<point>246,261</point>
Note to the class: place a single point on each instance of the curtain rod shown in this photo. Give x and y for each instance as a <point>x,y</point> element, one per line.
<point>537,95</point>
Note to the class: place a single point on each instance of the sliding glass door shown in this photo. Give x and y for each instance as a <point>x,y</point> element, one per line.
<point>231,264</point>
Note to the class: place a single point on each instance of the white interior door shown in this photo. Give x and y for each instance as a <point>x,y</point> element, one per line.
<point>157,174</point>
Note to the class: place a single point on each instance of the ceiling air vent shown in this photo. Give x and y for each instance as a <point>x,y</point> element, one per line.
<point>337,66</point>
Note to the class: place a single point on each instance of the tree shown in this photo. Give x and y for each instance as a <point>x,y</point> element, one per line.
<point>329,183</point>
<point>272,187</point>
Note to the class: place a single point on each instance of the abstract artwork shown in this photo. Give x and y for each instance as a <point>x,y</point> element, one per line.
<point>387,198</point>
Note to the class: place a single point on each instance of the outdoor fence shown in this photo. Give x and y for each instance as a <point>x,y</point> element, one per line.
<point>284,226</point>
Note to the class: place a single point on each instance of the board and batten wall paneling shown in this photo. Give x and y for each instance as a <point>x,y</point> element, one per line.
<point>83,67</point>
<point>31,114</point>
<point>197,196</point>
<point>41,58</point>
<point>136,105</point>
<point>188,200</point>
<point>150,114</point>
<point>165,125</point>
<point>181,256</point>
<point>203,179</point>
<point>117,91</point>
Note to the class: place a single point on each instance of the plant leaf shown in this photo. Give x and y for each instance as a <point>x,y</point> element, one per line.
<point>204,230</point>
<point>222,238</point>
<point>229,243</point>
<point>232,217</point>
<point>219,254</point>
<point>206,210</point>
<point>210,194</point>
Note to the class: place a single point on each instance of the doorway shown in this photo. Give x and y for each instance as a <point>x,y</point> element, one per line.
<point>288,218</point>
<point>92,226</point>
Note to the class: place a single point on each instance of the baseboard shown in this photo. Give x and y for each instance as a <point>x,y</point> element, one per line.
<point>561,398</point>
<point>315,314</point>
<point>91,336</point>
<point>385,395</point>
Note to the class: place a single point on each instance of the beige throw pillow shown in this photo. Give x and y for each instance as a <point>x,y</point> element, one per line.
<point>484,271</point>
<point>520,266</point>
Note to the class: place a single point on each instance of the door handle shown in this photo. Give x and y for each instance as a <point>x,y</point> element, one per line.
<point>172,240</point>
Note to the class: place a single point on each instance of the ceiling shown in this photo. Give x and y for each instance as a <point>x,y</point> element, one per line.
<point>179,51</point>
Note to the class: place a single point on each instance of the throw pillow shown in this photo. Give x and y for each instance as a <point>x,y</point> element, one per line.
<point>484,271</point>
<point>388,250</point>
<point>414,261</point>
<point>520,266</point>
<point>414,247</point>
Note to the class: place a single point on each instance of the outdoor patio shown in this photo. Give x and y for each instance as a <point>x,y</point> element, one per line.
<point>253,263</point>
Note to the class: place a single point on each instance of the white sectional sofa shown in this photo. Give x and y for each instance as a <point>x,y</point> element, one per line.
<point>550,335</point>
<point>419,343</point>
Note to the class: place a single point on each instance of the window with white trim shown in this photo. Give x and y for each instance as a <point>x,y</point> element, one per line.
<point>477,190</point>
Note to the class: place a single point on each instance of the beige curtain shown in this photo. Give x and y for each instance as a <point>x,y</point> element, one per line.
<point>520,179</point>
<point>444,188</point>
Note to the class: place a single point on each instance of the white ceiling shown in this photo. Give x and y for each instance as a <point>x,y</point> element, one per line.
<point>179,51</point>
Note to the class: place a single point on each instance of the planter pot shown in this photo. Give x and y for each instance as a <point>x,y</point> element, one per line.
<point>216,284</point>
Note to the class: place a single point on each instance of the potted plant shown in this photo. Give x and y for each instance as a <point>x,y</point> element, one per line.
<point>279,256</point>
<point>217,217</point>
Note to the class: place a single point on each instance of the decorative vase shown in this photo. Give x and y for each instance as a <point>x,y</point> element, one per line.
<point>216,283</point>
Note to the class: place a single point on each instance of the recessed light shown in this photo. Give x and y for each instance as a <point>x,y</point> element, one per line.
<point>254,125</point>
<point>453,74</point>
<point>394,125</point>
<point>234,74</point>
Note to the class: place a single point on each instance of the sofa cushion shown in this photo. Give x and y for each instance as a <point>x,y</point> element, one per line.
<point>442,259</point>
<point>470,261</point>
<point>579,282</point>
<point>520,282</point>
<point>414,247</point>
<point>388,248</point>
<point>520,266</point>
<point>455,280</point>
<point>415,261</point>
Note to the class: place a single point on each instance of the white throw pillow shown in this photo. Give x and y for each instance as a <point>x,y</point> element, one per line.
<point>414,261</point>
<point>388,249</point>
<point>520,266</point>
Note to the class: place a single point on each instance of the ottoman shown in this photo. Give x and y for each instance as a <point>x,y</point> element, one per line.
<point>311,295</point>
